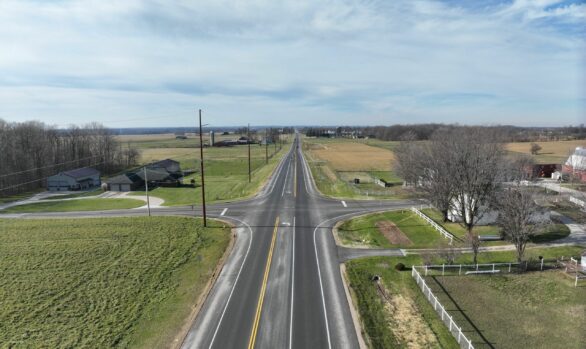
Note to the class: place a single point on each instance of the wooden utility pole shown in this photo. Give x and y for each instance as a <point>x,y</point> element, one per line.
<point>267,145</point>
<point>248,135</point>
<point>203,192</point>
<point>146,189</point>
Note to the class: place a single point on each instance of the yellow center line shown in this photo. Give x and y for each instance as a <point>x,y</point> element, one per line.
<point>263,289</point>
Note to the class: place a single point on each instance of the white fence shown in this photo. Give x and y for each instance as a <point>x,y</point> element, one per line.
<point>437,227</point>
<point>455,330</point>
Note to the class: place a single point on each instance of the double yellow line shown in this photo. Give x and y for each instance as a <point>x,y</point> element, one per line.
<point>263,289</point>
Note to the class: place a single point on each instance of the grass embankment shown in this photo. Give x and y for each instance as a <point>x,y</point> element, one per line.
<point>387,322</point>
<point>335,163</point>
<point>406,319</point>
<point>76,205</point>
<point>363,231</point>
<point>103,283</point>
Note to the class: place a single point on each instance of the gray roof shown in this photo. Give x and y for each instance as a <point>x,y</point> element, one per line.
<point>154,175</point>
<point>127,178</point>
<point>82,172</point>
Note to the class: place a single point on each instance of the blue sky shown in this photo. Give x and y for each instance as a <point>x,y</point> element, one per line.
<point>294,62</point>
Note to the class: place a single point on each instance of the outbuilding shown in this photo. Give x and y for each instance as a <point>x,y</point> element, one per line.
<point>78,179</point>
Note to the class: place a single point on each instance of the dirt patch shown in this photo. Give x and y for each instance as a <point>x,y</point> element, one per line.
<point>406,322</point>
<point>392,233</point>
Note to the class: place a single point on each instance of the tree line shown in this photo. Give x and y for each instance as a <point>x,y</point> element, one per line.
<point>425,131</point>
<point>32,151</point>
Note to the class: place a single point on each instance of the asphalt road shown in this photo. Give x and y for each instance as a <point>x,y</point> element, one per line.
<point>281,286</point>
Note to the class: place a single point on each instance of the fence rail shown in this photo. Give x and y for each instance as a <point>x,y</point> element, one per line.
<point>447,319</point>
<point>436,226</point>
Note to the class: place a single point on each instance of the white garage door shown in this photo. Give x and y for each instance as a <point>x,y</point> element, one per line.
<point>124,187</point>
<point>115,187</point>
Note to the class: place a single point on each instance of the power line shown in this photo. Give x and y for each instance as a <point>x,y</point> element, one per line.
<point>40,168</point>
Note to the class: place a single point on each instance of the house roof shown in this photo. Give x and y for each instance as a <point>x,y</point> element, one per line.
<point>127,178</point>
<point>154,175</point>
<point>164,163</point>
<point>82,172</point>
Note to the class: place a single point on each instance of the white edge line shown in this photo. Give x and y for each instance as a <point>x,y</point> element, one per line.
<point>224,212</point>
<point>292,289</point>
<point>235,282</point>
<point>344,203</point>
<point>321,286</point>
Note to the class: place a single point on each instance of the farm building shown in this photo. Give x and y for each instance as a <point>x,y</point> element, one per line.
<point>79,179</point>
<point>576,164</point>
<point>125,182</point>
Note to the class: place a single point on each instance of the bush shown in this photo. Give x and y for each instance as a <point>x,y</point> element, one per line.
<point>400,266</point>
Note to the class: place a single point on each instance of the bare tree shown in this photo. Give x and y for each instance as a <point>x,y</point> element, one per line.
<point>447,252</point>
<point>535,148</point>
<point>477,157</point>
<point>519,217</point>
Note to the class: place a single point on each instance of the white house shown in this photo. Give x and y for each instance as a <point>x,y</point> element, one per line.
<point>79,179</point>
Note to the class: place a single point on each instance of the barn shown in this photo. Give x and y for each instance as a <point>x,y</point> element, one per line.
<point>78,179</point>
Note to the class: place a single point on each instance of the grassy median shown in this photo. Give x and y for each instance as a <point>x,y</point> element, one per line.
<point>102,283</point>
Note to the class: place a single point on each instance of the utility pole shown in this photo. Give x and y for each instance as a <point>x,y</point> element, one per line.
<point>248,135</point>
<point>203,192</point>
<point>267,145</point>
<point>146,189</point>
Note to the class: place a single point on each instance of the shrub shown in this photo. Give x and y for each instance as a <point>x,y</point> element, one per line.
<point>400,266</point>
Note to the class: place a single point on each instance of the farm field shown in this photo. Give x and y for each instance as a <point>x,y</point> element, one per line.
<point>103,283</point>
<point>76,205</point>
<point>335,163</point>
<point>554,152</point>
<point>226,168</point>
<point>538,309</point>
<point>389,320</point>
<point>394,229</point>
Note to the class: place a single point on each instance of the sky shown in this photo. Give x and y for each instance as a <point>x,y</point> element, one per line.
<point>293,62</point>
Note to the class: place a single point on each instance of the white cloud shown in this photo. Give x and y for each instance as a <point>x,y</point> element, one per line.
<point>319,62</point>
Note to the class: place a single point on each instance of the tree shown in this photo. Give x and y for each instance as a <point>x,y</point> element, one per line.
<point>517,217</point>
<point>477,158</point>
<point>535,148</point>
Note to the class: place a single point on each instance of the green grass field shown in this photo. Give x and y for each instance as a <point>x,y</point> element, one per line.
<point>76,205</point>
<point>226,168</point>
<point>388,325</point>
<point>537,309</point>
<point>363,231</point>
<point>102,283</point>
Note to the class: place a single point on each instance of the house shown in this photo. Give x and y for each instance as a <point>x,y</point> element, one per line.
<point>172,167</point>
<point>125,182</point>
<point>165,173</point>
<point>79,179</point>
<point>576,164</point>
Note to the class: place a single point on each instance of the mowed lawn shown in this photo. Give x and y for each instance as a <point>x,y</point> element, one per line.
<point>554,152</point>
<point>103,283</point>
<point>532,310</point>
<point>363,231</point>
<point>76,205</point>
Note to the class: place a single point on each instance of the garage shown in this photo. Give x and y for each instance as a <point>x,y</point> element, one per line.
<point>125,182</point>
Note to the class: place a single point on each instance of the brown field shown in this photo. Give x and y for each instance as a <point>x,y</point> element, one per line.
<point>353,156</point>
<point>392,233</point>
<point>551,152</point>
<point>170,136</point>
